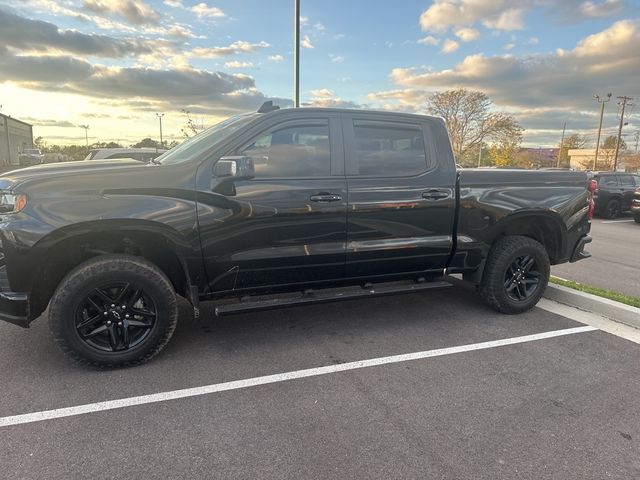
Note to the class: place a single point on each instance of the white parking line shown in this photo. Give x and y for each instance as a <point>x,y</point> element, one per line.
<point>617,221</point>
<point>280,377</point>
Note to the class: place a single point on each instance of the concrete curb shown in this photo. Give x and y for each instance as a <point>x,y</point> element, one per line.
<point>616,311</point>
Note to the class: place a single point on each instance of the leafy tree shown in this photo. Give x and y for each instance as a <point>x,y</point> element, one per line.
<point>146,143</point>
<point>503,153</point>
<point>471,121</point>
<point>606,154</point>
<point>174,143</point>
<point>571,142</point>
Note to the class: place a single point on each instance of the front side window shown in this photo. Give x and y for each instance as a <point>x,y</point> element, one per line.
<point>301,151</point>
<point>609,181</point>
<point>392,150</point>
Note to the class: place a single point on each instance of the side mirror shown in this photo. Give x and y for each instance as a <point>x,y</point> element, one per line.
<point>234,168</point>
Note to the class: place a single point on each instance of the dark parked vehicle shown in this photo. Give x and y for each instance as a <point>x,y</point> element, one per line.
<point>30,156</point>
<point>635,205</point>
<point>269,209</point>
<point>614,193</point>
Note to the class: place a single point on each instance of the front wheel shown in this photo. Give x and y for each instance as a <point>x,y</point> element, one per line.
<point>515,275</point>
<point>612,210</point>
<point>113,311</point>
<point>636,217</point>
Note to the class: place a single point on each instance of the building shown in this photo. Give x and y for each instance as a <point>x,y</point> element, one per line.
<point>582,159</point>
<point>15,136</point>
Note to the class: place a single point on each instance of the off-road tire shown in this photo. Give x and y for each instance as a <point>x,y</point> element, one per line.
<point>104,269</point>
<point>504,252</point>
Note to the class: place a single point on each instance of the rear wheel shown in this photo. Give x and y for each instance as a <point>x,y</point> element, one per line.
<point>612,210</point>
<point>515,275</point>
<point>113,311</point>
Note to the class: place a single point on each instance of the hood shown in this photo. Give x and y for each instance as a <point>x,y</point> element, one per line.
<point>12,179</point>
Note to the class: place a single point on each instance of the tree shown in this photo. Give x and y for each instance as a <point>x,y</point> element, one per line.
<point>572,142</point>
<point>470,120</point>
<point>503,153</point>
<point>190,128</point>
<point>174,143</point>
<point>146,143</point>
<point>606,154</point>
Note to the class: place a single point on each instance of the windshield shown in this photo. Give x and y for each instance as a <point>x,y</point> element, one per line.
<point>196,146</point>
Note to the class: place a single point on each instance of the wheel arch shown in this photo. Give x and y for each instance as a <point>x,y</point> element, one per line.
<point>64,249</point>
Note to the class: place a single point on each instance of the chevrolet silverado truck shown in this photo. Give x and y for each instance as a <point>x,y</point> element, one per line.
<point>270,209</point>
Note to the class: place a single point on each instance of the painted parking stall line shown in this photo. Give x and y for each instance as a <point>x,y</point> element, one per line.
<point>276,378</point>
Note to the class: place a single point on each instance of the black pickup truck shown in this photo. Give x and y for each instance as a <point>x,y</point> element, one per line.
<point>268,209</point>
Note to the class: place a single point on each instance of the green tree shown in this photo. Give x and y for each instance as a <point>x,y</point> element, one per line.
<point>146,143</point>
<point>471,120</point>
<point>572,142</point>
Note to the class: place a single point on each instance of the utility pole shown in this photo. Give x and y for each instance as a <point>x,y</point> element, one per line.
<point>637,138</point>
<point>564,128</point>
<point>296,54</point>
<point>86,133</point>
<point>160,115</point>
<point>623,102</point>
<point>597,97</point>
<point>481,138</point>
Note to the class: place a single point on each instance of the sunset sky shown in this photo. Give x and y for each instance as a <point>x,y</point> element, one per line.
<point>112,64</point>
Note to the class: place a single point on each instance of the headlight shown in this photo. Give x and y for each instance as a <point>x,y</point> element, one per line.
<point>11,202</point>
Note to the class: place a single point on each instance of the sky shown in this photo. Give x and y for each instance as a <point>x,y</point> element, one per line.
<point>114,64</point>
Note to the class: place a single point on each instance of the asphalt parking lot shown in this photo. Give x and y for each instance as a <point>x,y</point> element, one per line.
<point>561,407</point>
<point>615,261</point>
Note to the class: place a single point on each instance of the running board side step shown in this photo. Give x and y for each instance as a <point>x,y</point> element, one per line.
<point>325,295</point>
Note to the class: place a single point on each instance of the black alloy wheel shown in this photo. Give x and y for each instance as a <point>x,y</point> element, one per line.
<point>613,209</point>
<point>115,317</point>
<point>113,311</point>
<point>522,278</point>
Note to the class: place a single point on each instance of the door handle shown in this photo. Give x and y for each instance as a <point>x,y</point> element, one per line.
<point>325,197</point>
<point>435,194</point>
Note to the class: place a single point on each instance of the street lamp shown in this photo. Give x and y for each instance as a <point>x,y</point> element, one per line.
<point>597,97</point>
<point>86,133</point>
<point>160,115</point>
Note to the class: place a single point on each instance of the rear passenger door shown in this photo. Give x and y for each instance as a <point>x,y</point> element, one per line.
<point>401,201</point>
<point>628,187</point>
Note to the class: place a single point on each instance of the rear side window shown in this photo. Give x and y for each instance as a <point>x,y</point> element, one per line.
<point>389,149</point>
<point>299,151</point>
<point>627,181</point>
<point>121,155</point>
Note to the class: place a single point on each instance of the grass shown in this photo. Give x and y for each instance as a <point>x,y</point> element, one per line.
<point>600,292</point>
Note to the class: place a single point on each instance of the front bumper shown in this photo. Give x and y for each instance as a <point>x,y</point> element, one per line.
<point>578,250</point>
<point>14,308</point>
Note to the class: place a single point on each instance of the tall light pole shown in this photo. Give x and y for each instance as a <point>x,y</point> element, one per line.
<point>623,103</point>
<point>296,54</point>
<point>597,97</point>
<point>86,134</point>
<point>160,115</point>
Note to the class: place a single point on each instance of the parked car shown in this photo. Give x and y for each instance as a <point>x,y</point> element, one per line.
<point>30,156</point>
<point>272,209</point>
<point>614,193</point>
<point>635,205</point>
<point>141,154</point>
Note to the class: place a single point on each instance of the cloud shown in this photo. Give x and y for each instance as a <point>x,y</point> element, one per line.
<point>450,46</point>
<point>46,122</point>
<point>325,98</point>
<point>276,58</point>
<point>237,64</point>
<point>565,78</point>
<point>336,58</point>
<point>600,9</point>
<point>26,34</point>
<point>429,40</point>
<point>534,41</point>
<point>202,10</point>
<point>306,42</point>
<point>509,46</point>
<point>232,49</point>
<point>173,3</point>
<point>467,34</point>
<point>498,14</point>
<point>133,11</point>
